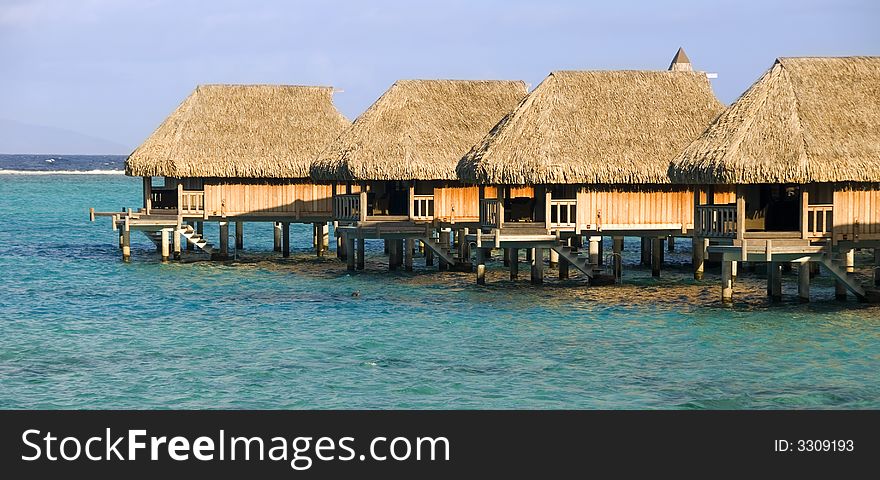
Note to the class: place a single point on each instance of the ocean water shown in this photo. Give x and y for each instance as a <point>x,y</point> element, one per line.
<point>81,329</point>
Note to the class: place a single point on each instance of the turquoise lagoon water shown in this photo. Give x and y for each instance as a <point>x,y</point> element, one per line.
<point>81,329</point>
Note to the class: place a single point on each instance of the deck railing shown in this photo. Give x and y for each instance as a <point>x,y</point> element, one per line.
<point>820,220</point>
<point>716,220</point>
<point>422,207</point>
<point>192,202</point>
<point>347,207</point>
<point>491,213</point>
<point>563,214</point>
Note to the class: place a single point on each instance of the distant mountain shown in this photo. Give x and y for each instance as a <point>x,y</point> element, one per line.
<point>17,137</point>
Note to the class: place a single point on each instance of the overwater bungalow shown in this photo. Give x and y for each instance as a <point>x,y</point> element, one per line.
<point>393,171</point>
<point>586,154</point>
<point>233,153</point>
<point>790,173</point>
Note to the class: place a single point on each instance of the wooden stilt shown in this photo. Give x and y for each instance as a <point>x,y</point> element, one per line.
<point>395,248</point>
<point>814,269</point>
<point>277,236</point>
<point>444,243</point>
<point>125,234</point>
<point>505,257</point>
<point>164,245</point>
<point>239,235</point>
<point>670,244</point>
<point>657,256</point>
<point>481,266</point>
<point>563,264</point>
<point>387,247</point>
<point>845,261</point>
<point>595,254</point>
<point>361,251</point>
<point>350,259</point>
<point>726,283</point>
<point>408,254</point>
<point>601,252</point>
<point>850,259</point>
<point>429,255</point>
<point>175,243</point>
<point>285,239</point>
<point>224,240</point>
<point>617,250</point>
<point>513,263</point>
<point>319,238</point>
<point>554,259</point>
<point>325,236</point>
<point>699,255</point>
<point>774,280</point>
<point>530,254</point>
<point>646,251</point>
<point>804,282</point>
<point>340,248</point>
<point>537,266</point>
<point>734,267</point>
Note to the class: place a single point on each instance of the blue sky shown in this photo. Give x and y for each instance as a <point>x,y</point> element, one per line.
<point>115,69</point>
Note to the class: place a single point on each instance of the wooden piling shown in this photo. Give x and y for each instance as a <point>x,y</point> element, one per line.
<point>341,251</point>
<point>395,248</point>
<point>601,252</point>
<point>513,263</point>
<point>554,258</point>
<point>126,241</point>
<point>277,236</point>
<point>804,282</point>
<point>617,250</point>
<point>224,240</point>
<point>846,262</point>
<point>734,268</point>
<point>189,246</point>
<point>774,281</point>
<point>699,255</point>
<point>164,245</point>
<point>877,267</point>
<point>670,244</point>
<point>350,259</point>
<point>657,256</point>
<point>361,251</point>
<point>175,242</point>
<point>537,266</point>
<point>726,283</point>
<point>285,239</point>
<point>595,254</point>
<point>850,260</point>
<point>239,235</point>
<point>646,251</point>
<point>444,244</point>
<point>319,238</point>
<point>408,254</point>
<point>481,266</point>
<point>505,256</point>
<point>429,255</point>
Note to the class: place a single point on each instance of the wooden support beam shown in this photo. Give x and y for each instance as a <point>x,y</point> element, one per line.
<point>601,252</point>
<point>595,253</point>
<point>734,267</point>
<point>850,260</point>
<point>804,282</point>
<point>444,243</point>
<point>340,248</point>
<point>239,235</point>
<point>350,259</point>
<point>429,255</point>
<point>285,239</point>
<point>164,245</point>
<point>774,280</point>
<point>670,244</point>
<point>175,242</point>
<point>656,256</point>
<point>537,266</point>
<point>877,267</point>
<point>505,257</point>
<point>481,266</point>
<point>224,240</point>
<point>700,245</point>
<point>617,250</point>
<point>554,259</point>
<point>277,236</point>
<point>564,265</point>
<point>361,251</point>
<point>126,241</point>
<point>726,283</point>
<point>740,212</point>
<point>189,246</point>
<point>396,253</point>
<point>319,238</point>
<point>513,262</point>
<point>846,257</point>
<point>408,254</point>
<point>646,251</point>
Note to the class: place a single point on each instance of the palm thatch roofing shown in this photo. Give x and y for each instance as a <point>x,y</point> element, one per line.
<point>805,120</point>
<point>595,127</point>
<point>417,130</point>
<point>241,131</point>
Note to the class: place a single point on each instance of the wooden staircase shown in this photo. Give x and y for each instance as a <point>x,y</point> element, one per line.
<point>840,273</point>
<point>582,263</point>
<point>443,252</point>
<point>196,239</point>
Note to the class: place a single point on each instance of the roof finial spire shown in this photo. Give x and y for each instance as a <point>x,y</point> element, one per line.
<point>681,62</point>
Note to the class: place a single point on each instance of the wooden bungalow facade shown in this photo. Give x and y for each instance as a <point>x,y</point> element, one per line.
<point>586,154</point>
<point>393,171</point>
<point>233,153</point>
<point>790,173</point>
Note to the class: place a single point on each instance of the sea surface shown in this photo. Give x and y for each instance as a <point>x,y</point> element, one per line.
<point>81,329</point>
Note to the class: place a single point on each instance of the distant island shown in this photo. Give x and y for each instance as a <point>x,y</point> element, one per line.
<point>18,137</point>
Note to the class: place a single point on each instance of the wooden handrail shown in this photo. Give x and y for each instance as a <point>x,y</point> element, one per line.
<point>347,207</point>
<point>820,220</point>
<point>491,212</point>
<point>422,207</point>
<point>192,202</point>
<point>563,214</point>
<point>715,220</point>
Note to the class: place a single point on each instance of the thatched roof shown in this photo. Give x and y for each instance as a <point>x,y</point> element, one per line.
<point>596,127</point>
<point>243,131</point>
<point>417,130</point>
<point>805,120</point>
